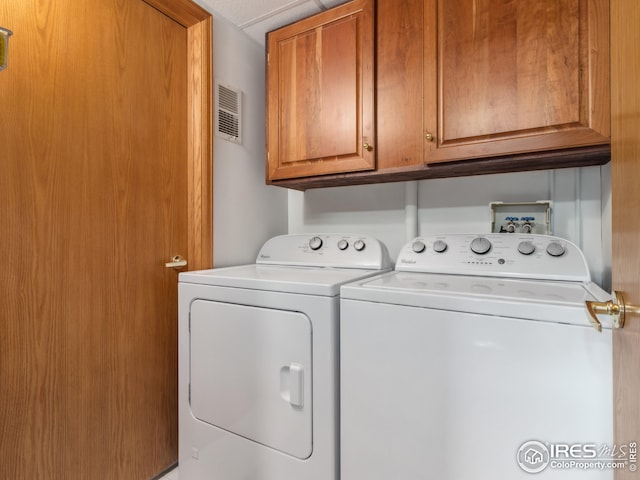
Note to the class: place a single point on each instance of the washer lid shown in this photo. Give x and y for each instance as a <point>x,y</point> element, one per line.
<point>552,301</point>
<point>322,281</point>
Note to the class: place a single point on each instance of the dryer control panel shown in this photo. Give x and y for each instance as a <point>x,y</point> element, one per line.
<point>326,250</point>
<point>500,255</point>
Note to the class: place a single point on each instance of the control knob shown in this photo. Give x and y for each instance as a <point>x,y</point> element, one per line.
<point>526,248</point>
<point>439,246</point>
<point>418,246</point>
<point>343,244</point>
<point>315,243</point>
<point>359,245</point>
<point>480,245</point>
<point>556,249</point>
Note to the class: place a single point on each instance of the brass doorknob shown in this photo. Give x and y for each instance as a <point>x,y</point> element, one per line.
<point>616,308</point>
<point>367,147</point>
<point>176,262</point>
<point>429,136</point>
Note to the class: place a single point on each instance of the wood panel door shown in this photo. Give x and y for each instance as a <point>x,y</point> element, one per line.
<point>105,174</point>
<point>625,172</point>
<point>507,77</point>
<point>320,109</point>
<point>399,84</point>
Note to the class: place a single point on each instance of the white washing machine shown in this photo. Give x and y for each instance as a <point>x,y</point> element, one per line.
<point>474,360</point>
<point>258,359</point>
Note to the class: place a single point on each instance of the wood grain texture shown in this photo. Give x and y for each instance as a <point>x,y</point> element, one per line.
<point>399,83</point>
<point>625,171</point>
<point>198,25</point>
<point>93,200</point>
<point>320,90</point>
<point>567,158</point>
<point>485,78</point>
<point>200,145</point>
<point>508,77</point>
<point>184,12</point>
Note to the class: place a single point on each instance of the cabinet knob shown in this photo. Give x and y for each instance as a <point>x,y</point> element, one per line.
<point>367,147</point>
<point>429,136</point>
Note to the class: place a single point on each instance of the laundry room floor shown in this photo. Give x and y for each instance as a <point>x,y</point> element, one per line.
<point>172,475</point>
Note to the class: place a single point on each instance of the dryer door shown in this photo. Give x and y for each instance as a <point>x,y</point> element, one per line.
<point>251,373</point>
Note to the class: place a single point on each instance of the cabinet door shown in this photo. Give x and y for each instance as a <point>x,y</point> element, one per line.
<point>320,104</point>
<point>399,83</point>
<point>517,76</point>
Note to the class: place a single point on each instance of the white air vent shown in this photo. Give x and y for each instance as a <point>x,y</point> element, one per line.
<point>228,113</point>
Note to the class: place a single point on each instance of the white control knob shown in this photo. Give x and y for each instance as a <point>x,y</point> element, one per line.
<point>556,249</point>
<point>526,248</point>
<point>480,245</point>
<point>343,244</point>
<point>359,245</point>
<point>418,246</point>
<point>315,243</point>
<point>439,246</point>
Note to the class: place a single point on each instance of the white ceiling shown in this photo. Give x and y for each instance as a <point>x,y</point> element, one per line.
<point>256,17</point>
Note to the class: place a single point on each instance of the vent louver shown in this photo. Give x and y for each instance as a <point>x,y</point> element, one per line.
<point>229,110</point>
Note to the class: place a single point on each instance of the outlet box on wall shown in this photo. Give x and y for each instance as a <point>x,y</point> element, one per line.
<point>521,217</point>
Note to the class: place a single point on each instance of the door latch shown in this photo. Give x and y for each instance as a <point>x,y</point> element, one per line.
<point>176,262</point>
<point>616,308</point>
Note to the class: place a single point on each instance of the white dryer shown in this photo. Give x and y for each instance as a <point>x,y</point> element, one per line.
<point>475,359</point>
<point>258,359</point>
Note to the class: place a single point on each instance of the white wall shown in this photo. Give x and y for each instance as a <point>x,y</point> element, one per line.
<point>246,211</point>
<point>581,209</point>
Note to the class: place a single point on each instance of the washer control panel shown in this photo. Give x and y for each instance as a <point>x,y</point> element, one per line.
<point>326,250</point>
<point>501,255</point>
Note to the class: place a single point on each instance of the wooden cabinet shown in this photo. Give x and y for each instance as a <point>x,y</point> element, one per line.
<point>320,89</point>
<point>508,77</point>
<point>463,87</point>
<point>399,84</point>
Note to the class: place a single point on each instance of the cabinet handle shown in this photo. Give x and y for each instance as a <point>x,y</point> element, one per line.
<point>429,136</point>
<point>367,147</point>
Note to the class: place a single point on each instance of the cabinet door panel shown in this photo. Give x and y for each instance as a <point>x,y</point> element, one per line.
<point>516,76</point>
<point>320,105</point>
<point>318,92</point>
<point>399,83</point>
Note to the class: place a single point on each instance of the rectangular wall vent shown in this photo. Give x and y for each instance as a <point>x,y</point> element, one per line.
<point>229,113</point>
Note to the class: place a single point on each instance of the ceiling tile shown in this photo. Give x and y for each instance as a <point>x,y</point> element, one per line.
<point>256,17</point>
<point>241,12</point>
<point>258,30</point>
<point>332,3</point>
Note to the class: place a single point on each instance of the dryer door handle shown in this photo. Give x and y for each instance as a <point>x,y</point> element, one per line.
<point>292,384</point>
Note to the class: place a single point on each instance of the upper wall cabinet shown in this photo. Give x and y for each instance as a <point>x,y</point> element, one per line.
<point>505,77</point>
<point>320,94</point>
<point>462,87</point>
